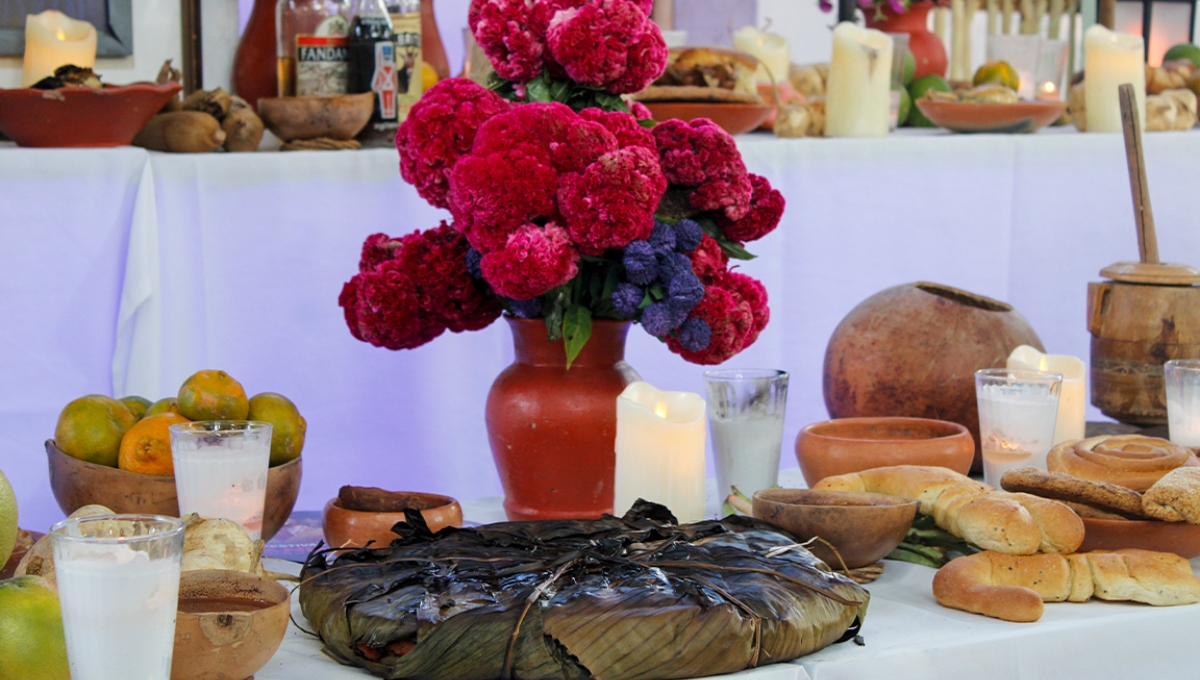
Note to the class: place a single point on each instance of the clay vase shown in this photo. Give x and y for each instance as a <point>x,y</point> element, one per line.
<point>1136,328</point>
<point>927,49</point>
<point>913,350</point>
<point>432,51</point>
<point>553,430</point>
<point>254,64</point>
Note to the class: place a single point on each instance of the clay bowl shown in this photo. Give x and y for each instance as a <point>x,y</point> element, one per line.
<point>340,117</point>
<point>1180,538</point>
<point>77,483</point>
<point>732,117</point>
<point>863,527</point>
<point>991,117</point>
<point>355,528</point>
<point>81,116</point>
<point>227,643</point>
<point>838,447</point>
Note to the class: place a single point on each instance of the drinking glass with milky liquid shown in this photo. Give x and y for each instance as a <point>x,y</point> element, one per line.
<point>745,416</point>
<point>118,582</point>
<point>1017,413</point>
<point>221,470</point>
<point>1182,380</point>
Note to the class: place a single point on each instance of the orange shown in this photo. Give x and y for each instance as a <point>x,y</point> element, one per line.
<point>136,405</point>
<point>213,395</point>
<point>997,72</point>
<point>146,447</point>
<point>90,428</point>
<point>164,405</point>
<point>32,646</point>
<point>288,427</point>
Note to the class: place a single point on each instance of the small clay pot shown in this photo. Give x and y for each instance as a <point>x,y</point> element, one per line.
<point>1180,538</point>
<point>228,645</point>
<point>862,527</point>
<point>838,447</point>
<point>355,528</point>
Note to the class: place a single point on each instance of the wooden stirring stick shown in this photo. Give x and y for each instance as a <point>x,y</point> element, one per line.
<point>1147,237</point>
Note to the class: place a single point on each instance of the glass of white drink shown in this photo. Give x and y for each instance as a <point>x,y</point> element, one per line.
<point>745,416</point>
<point>221,470</point>
<point>1182,377</point>
<point>1017,414</point>
<point>118,581</point>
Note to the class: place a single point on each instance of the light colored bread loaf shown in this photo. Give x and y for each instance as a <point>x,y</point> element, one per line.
<point>1132,461</point>
<point>1016,524</point>
<point>1175,497</point>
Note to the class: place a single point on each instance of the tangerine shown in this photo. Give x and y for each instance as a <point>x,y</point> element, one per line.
<point>136,405</point>
<point>90,428</point>
<point>213,395</point>
<point>146,447</point>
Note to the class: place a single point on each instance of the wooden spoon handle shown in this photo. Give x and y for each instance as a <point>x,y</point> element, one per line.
<point>1147,237</point>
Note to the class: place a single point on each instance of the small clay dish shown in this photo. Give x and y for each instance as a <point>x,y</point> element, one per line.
<point>77,483</point>
<point>1180,538</point>
<point>81,116</point>
<point>228,626</point>
<point>340,117</point>
<point>361,515</point>
<point>863,527</point>
<point>732,117</point>
<point>991,117</point>
<point>845,445</point>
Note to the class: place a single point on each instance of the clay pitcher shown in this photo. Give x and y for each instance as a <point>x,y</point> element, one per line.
<point>1136,328</point>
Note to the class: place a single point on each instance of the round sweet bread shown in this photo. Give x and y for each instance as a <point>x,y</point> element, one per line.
<point>1103,496</point>
<point>1129,460</point>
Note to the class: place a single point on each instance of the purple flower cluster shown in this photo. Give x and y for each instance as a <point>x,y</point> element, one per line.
<point>660,287</point>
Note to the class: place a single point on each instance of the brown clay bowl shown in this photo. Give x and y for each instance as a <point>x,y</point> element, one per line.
<point>340,117</point>
<point>1180,538</point>
<point>732,117</point>
<point>225,644</point>
<point>991,117</point>
<point>355,528</point>
<point>845,445</point>
<point>863,527</point>
<point>77,483</point>
<point>81,116</point>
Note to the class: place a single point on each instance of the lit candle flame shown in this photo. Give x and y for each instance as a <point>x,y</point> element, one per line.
<point>660,410</point>
<point>60,34</point>
<point>1049,87</point>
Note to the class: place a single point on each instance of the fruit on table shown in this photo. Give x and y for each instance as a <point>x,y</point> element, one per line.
<point>1184,51</point>
<point>905,107</point>
<point>146,447</point>
<point>136,405</point>
<point>39,560</point>
<point>219,544</point>
<point>288,427</point>
<point>32,646</point>
<point>429,76</point>
<point>997,72</point>
<point>8,519</point>
<point>213,395</point>
<point>90,428</point>
<point>165,405</point>
<point>910,68</point>
<point>917,90</point>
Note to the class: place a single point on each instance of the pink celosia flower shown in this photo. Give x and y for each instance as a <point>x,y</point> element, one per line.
<point>700,154</point>
<point>492,195</point>
<point>753,293</point>
<point>613,201</point>
<point>512,34</point>
<point>766,208</point>
<point>623,126</point>
<point>708,260</point>
<point>436,263</point>
<point>381,308</point>
<point>534,260</point>
<point>731,321</point>
<point>607,43</point>
<point>377,249</point>
<point>640,111</point>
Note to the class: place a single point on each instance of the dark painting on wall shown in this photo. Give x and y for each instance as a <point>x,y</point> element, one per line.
<point>113,20</point>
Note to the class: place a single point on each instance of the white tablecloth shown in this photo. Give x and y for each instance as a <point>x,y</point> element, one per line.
<point>238,259</point>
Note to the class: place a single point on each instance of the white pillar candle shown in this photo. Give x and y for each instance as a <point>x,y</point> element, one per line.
<point>856,97</point>
<point>660,450</point>
<point>770,49</point>
<point>1072,400</point>
<point>1111,60</point>
<point>53,39</point>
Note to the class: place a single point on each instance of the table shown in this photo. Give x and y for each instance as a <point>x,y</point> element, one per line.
<point>234,261</point>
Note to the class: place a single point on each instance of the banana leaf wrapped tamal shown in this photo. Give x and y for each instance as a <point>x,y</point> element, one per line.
<point>612,599</point>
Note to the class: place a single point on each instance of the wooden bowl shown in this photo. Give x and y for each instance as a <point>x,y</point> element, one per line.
<point>733,117</point>
<point>991,117</point>
<point>77,483</point>
<point>863,527</point>
<point>355,528</point>
<point>1180,538</point>
<point>841,446</point>
<point>225,644</point>
<point>81,116</point>
<point>340,117</point>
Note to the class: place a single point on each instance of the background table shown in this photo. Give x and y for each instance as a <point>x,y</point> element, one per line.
<point>235,261</point>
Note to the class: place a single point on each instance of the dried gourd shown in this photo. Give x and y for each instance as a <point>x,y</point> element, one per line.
<point>242,126</point>
<point>181,132</point>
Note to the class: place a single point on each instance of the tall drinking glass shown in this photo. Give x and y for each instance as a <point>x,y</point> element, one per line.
<point>118,581</point>
<point>1017,413</point>
<point>899,50</point>
<point>1182,377</point>
<point>1022,53</point>
<point>221,470</point>
<point>745,416</point>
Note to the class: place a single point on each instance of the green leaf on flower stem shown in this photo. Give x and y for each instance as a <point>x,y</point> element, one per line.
<point>656,292</point>
<point>554,308</point>
<point>732,248</point>
<point>647,122</point>
<point>611,279</point>
<point>560,90</point>
<point>538,90</point>
<point>576,329</point>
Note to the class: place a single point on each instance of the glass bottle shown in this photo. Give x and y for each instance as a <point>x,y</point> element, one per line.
<point>313,49</point>
<point>406,22</point>
<point>373,68</point>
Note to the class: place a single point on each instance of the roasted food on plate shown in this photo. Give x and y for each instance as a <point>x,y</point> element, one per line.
<point>988,93</point>
<point>712,74</point>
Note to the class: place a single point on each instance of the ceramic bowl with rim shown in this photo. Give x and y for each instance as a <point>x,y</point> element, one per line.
<point>355,528</point>
<point>234,628</point>
<point>732,117</point>
<point>1180,538</point>
<point>993,117</point>
<point>862,527</point>
<point>81,116</point>
<point>338,117</point>
<point>845,445</point>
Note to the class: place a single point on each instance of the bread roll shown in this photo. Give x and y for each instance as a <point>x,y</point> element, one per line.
<point>1132,461</point>
<point>1175,497</point>
<point>1110,498</point>
<point>1013,587</point>
<point>1013,523</point>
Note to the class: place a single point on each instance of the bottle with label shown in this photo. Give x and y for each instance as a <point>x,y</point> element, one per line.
<point>406,22</point>
<point>314,56</point>
<point>373,68</point>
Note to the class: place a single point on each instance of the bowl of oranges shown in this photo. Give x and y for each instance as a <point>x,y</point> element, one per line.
<point>117,452</point>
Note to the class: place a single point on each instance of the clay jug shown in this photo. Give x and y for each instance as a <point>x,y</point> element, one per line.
<point>254,64</point>
<point>553,430</point>
<point>432,51</point>
<point>927,49</point>
<point>913,350</point>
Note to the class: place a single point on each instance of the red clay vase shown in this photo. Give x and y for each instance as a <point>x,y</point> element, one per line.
<point>927,49</point>
<point>553,430</point>
<point>255,63</point>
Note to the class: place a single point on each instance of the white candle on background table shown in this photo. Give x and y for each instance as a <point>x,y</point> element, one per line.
<point>1072,399</point>
<point>53,39</point>
<point>770,49</point>
<point>660,450</point>
<point>856,97</point>
<point>1110,60</point>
